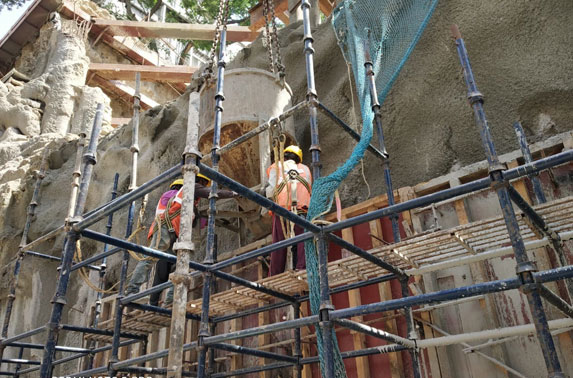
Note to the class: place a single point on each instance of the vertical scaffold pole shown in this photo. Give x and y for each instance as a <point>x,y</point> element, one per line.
<point>40,174</point>
<point>556,242</point>
<point>526,152</point>
<point>59,301</point>
<point>312,97</point>
<point>208,278</point>
<point>129,228</point>
<point>297,343</point>
<point>525,267</point>
<point>120,295</point>
<point>412,333</point>
<point>103,267</point>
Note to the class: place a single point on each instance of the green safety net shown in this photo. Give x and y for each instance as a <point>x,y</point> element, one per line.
<point>390,30</point>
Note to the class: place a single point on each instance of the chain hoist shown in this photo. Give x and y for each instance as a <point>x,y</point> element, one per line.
<point>272,39</point>
<point>220,22</point>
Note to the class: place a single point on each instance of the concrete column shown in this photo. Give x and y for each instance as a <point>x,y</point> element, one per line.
<point>314,13</point>
<point>295,13</point>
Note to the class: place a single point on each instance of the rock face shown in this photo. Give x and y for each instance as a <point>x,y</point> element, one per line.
<point>54,98</point>
<point>520,53</point>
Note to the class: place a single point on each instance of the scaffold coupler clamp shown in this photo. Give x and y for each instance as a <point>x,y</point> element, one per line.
<point>475,97</point>
<point>70,223</point>
<point>182,245</point>
<point>495,172</point>
<point>525,272</point>
<point>190,152</point>
<point>178,278</point>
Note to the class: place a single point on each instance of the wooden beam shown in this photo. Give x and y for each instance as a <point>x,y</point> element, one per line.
<point>116,121</point>
<point>147,29</point>
<point>326,6</point>
<point>121,90</point>
<point>256,13</point>
<point>173,74</point>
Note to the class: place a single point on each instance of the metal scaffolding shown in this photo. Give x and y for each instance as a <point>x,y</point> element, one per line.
<point>528,279</point>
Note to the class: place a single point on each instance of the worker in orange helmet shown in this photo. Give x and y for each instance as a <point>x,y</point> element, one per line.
<point>164,231</point>
<point>290,184</point>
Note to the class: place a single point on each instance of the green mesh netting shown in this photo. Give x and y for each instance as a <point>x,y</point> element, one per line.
<point>390,29</point>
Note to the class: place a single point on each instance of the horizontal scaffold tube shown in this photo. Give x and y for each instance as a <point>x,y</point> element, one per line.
<point>304,298</point>
<point>259,129</point>
<point>95,331</point>
<point>375,332</point>
<point>41,346</point>
<point>253,352</point>
<point>350,131</point>
<point>23,335</point>
<point>281,211</point>
<point>79,355</point>
<point>396,304</point>
<point>127,198</point>
<point>54,258</point>
<point>159,310</point>
<point>192,264</point>
<point>426,343</point>
<point>95,258</point>
<point>469,187</point>
<point>312,360</point>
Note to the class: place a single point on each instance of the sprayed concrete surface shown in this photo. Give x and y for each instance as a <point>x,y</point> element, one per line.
<point>520,51</point>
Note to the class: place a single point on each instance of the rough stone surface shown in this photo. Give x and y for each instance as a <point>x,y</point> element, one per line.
<point>521,53</point>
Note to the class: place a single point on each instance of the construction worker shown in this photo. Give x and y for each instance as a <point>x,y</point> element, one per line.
<point>290,185</point>
<point>164,231</point>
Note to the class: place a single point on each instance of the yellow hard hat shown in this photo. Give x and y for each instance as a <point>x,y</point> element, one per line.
<point>295,150</point>
<point>205,177</point>
<point>176,182</point>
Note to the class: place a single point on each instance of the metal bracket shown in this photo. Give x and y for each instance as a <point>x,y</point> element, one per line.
<point>192,151</point>
<point>190,168</point>
<point>187,246</point>
<point>526,266</point>
<point>178,278</point>
<point>474,97</point>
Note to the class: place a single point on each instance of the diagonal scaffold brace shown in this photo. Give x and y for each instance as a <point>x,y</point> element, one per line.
<point>525,267</point>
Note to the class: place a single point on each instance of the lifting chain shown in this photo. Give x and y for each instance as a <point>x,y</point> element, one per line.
<point>221,20</point>
<point>272,39</point>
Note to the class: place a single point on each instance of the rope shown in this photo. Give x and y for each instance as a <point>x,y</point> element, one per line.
<point>85,276</point>
<point>140,227</point>
<point>321,202</point>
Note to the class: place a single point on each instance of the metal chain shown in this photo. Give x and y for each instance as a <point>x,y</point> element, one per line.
<point>277,46</point>
<point>269,40</point>
<point>222,17</point>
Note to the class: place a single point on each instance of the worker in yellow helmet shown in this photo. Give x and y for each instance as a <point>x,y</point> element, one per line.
<point>290,186</point>
<point>164,231</point>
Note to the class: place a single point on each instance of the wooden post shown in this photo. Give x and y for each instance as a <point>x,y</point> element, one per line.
<point>432,352</point>
<point>479,274</point>
<point>263,319</point>
<point>304,332</point>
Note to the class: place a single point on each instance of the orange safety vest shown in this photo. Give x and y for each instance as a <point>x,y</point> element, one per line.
<point>173,219</point>
<point>303,179</point>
